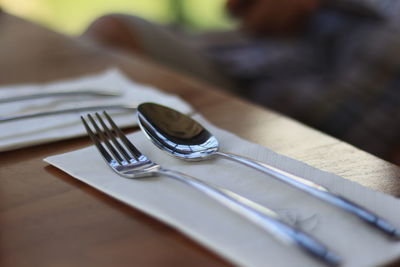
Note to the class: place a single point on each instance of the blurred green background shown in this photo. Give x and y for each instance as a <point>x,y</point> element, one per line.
<point>73,16</point>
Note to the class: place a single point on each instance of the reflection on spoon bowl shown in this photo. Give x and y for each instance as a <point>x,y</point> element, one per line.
<point>175,133</point>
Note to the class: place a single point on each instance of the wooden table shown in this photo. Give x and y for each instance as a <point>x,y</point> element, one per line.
<point>48,218</point>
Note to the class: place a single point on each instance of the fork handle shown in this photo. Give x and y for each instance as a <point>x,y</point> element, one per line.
<point>263,218</point>
<point>319,192</point>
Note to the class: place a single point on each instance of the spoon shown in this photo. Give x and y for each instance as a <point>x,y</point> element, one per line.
<point>184,138</point>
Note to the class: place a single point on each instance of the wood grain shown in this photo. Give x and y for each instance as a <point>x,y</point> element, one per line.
<point>50,219</point>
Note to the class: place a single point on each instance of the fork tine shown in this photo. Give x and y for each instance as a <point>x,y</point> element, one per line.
<point>96,142</point>
<point>112,150</point>
<point>123,138</point>
<point>114,140</point>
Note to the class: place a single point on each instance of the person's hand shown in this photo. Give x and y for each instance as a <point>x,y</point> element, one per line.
<point>272,16</point>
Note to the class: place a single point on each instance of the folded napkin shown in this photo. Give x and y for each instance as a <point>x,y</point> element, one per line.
<point>22,133</point>
<point>228,234</point>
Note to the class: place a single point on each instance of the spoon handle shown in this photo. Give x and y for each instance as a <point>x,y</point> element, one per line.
<point>263,217</point>
<point>319,192</point>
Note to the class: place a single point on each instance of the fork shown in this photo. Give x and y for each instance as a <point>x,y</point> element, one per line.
<point>127,161</point>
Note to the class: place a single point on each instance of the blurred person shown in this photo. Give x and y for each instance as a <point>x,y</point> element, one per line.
<point>332,64</point>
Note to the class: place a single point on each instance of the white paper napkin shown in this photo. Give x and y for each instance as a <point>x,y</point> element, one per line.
<point>22,133</point>
<point>225,232</point>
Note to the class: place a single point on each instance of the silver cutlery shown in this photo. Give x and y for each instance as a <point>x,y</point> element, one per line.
<point>86,92</point>
<point>65,111</point>
<point>127,161</point>
<point>184,138</point>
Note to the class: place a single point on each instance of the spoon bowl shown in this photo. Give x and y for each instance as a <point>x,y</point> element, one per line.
<point>176,133</point>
